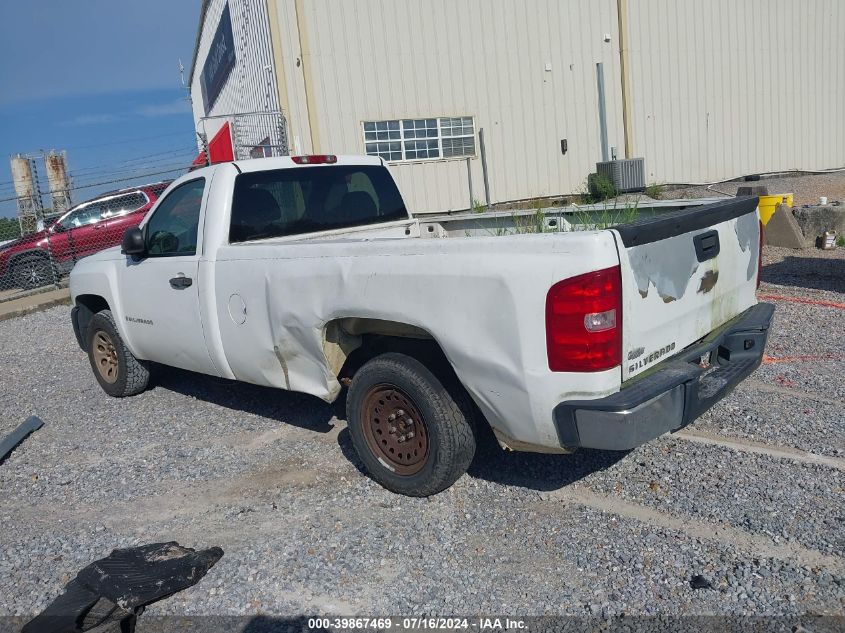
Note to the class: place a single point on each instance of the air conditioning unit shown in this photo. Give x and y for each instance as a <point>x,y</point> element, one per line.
<point>627,174</point>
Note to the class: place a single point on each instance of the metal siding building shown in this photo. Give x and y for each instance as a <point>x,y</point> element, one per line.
<point>252,84</point>
<point>725,88</point>
<point>713,89</point>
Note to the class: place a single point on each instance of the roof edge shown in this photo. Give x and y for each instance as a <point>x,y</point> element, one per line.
<point>203,11</point>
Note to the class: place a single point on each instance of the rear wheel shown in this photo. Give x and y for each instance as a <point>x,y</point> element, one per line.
<point>408,429</point>
<point>32,272</point>
<point>119,373</point>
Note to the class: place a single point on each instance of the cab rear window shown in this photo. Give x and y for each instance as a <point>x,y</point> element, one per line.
<point>304,200</point>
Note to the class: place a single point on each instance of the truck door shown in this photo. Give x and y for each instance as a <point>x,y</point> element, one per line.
<point>159,293</point>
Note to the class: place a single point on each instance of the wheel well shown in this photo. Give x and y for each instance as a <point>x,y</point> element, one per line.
<point>350,342</point>
<point>421,346</point>
<point>25,255</point>
<point>86,307</point>
<point>427,351</point>
<point>94,303</point>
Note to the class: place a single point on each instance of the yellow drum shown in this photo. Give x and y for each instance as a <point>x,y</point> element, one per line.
<point>769,204</point>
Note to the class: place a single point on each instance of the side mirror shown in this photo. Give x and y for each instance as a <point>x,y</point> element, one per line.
<point>133,242</point>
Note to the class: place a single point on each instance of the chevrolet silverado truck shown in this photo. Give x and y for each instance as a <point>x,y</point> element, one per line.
<point>309,274</point>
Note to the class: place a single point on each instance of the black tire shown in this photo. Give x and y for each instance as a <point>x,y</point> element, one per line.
<point>119,373</point>
<point>449,438</point>
<point>33,272</point>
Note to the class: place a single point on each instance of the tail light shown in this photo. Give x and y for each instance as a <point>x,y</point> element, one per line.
<point>315,159</point>
<point>584,322</point>
<point>760,254</point>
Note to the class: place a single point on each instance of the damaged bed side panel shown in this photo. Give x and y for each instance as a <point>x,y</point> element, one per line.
<point>482,300</point>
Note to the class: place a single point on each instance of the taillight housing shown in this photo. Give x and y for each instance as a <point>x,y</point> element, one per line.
<point>760,254</point>
<point>315,159</point>
<point>584,322</point>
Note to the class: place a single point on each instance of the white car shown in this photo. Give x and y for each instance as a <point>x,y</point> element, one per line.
<point>308,273</point>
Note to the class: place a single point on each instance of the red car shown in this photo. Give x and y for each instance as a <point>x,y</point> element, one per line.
<point>85,229</point>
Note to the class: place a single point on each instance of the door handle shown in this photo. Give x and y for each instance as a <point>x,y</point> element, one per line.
<point>181,282</point>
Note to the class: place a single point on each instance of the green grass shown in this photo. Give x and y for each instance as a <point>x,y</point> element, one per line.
<point>598,188</point>
<point>654,191</point>
<point>606,218</point>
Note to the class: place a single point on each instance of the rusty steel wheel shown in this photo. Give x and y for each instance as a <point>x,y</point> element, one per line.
<point>119,373</point>
<point>410,432</point>
<point>394,429</point>
<point>105,356</point>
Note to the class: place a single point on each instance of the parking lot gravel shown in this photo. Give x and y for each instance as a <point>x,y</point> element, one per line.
<point>753,502</point>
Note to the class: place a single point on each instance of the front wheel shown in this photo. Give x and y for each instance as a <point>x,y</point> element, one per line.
<point>33,272</point>
<point>408,429</point>
<point>119,373</point>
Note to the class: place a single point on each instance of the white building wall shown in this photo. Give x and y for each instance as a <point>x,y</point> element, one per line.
<point>392,59</point>
<point>251,86</point>
<point>723,88</point>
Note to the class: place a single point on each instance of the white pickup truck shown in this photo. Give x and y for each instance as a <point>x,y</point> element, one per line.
<point>308,273</point>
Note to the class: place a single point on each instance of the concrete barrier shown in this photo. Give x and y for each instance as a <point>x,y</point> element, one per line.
<point>815,220</point>
<point>783,230</point>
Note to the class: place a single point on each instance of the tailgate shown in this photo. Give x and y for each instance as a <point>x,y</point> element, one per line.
<point>684,274</point>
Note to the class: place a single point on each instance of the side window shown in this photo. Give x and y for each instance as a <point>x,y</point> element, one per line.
<point>296,201</point>
<point>121,205</point>
<point>83,215</point>
<point>172,229</point>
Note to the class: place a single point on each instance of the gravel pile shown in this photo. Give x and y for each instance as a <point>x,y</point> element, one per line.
<point>271,478</point>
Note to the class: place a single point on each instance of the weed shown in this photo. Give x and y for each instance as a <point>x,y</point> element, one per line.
<point>534,223</point>
<point>599,188</point>
<point>840,241</point>
<point>654,191</point>
<point>606,218</point>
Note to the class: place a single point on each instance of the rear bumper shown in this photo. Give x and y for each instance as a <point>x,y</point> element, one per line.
<point>671,397</point>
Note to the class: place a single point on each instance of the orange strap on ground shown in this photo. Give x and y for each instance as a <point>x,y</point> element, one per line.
<point>772,360</point>
<point>811,302</point>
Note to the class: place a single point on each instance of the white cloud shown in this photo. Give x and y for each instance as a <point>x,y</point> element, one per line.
<point>179,106</point>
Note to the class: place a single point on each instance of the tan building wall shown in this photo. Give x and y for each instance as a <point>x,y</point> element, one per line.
<point>722,88</point>
<point>716,88</point>
<point>349,62</point>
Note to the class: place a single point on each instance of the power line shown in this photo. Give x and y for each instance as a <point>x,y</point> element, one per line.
<point>128,140</point>
<point>157,166</point>
<point>170,153</point>
<point>122,169</point>
<point>174,151</point>
<point>110,182</point>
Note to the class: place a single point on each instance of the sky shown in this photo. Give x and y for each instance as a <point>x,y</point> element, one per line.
<point>100,79</point>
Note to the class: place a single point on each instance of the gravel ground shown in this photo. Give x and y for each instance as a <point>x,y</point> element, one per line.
<point>808,188</point>
<point>271,478</point>
<point>760,413</point>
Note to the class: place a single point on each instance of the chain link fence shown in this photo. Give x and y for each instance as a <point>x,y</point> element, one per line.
<point>38,251</point>
<point>39,248</point>
<point>253,134</point>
